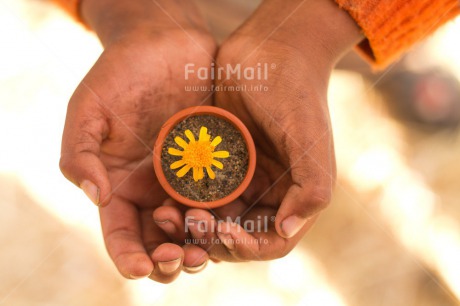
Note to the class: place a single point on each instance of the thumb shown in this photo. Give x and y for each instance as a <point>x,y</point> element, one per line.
<point>312,167</point>
<point>84,131</point>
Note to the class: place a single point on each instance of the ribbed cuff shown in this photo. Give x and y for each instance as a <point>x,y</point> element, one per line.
<point>393,26</point>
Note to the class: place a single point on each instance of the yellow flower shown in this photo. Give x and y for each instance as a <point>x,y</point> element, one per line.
<point>198,154</point>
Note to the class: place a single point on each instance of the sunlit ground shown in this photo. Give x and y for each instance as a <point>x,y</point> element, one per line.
<point>391,237</point>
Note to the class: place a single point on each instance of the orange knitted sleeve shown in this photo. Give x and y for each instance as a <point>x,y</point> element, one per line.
<point>392,26</point>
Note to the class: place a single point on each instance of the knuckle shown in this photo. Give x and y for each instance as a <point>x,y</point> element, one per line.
<point>65,163</point>
<point>321,197</point>
<point>282,253</point>
<point>285,251</point>
<point>279,253</point>
<point>271,251</point>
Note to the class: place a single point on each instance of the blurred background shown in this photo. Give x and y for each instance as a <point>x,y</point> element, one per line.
<point>390,237</point>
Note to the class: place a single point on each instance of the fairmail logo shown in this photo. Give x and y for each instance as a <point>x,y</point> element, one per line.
<point>260,224</point>
<point>228,72</point>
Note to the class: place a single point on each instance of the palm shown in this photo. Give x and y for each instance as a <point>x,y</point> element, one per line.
<point>145,87</point>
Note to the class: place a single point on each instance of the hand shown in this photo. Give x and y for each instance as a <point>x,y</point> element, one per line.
<point>289,122</point>
<point>113,119</point>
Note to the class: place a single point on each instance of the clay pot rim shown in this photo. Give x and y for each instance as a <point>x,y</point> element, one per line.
<point>203,110</point>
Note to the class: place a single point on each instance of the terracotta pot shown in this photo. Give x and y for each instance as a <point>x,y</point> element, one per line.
<point>204,110</point>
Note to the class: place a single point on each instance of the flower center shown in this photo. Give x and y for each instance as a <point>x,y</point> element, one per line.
<point>198,154</point>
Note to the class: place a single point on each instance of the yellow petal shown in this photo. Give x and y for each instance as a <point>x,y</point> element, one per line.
<point>195,174</point>
<point>216,141</point>
<point>182,143</point>
<point>200,173</point>
<point>211,173</point>
<point>177,164</point>
<point>190,136</point>
<point>203,134</point>
<point>221,154</point>
<point>218,164</point>
<point>183,171</point>
<point>175,152</point>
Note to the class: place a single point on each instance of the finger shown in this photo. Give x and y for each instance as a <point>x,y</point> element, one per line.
<point>269,185</point>
<point>123,239</point>
<point>170,219</point>
<point>257,245</point>
<point>84,131</point>
<point>243,246</point>
<point>299,207</point>
<point>203,225</point>
<point>230,211</point>
<point>254,237</point>
<point>167,259</point>
<point>171,202</point>
<point>309,146</point>
<point>200,224</point>
<point>195,258</point>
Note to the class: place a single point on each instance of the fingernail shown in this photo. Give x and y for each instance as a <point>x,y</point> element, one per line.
<point>292,225</point>
<point>138,277</point>
<point>166,225</point>
<point>227,240</point>
<point>196,269</point>
<point>169,267</point>
<point>91,191</point>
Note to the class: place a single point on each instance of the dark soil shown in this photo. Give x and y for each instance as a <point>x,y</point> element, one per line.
<point>227,179</point>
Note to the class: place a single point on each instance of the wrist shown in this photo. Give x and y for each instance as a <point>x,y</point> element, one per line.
<point>333,28</point>
<point>311,26</point>
<point>113,20</point>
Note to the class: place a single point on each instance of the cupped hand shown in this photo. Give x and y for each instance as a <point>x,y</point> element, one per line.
<point>112,121</point>
<point>295,169</point>
<point>287,115</point>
